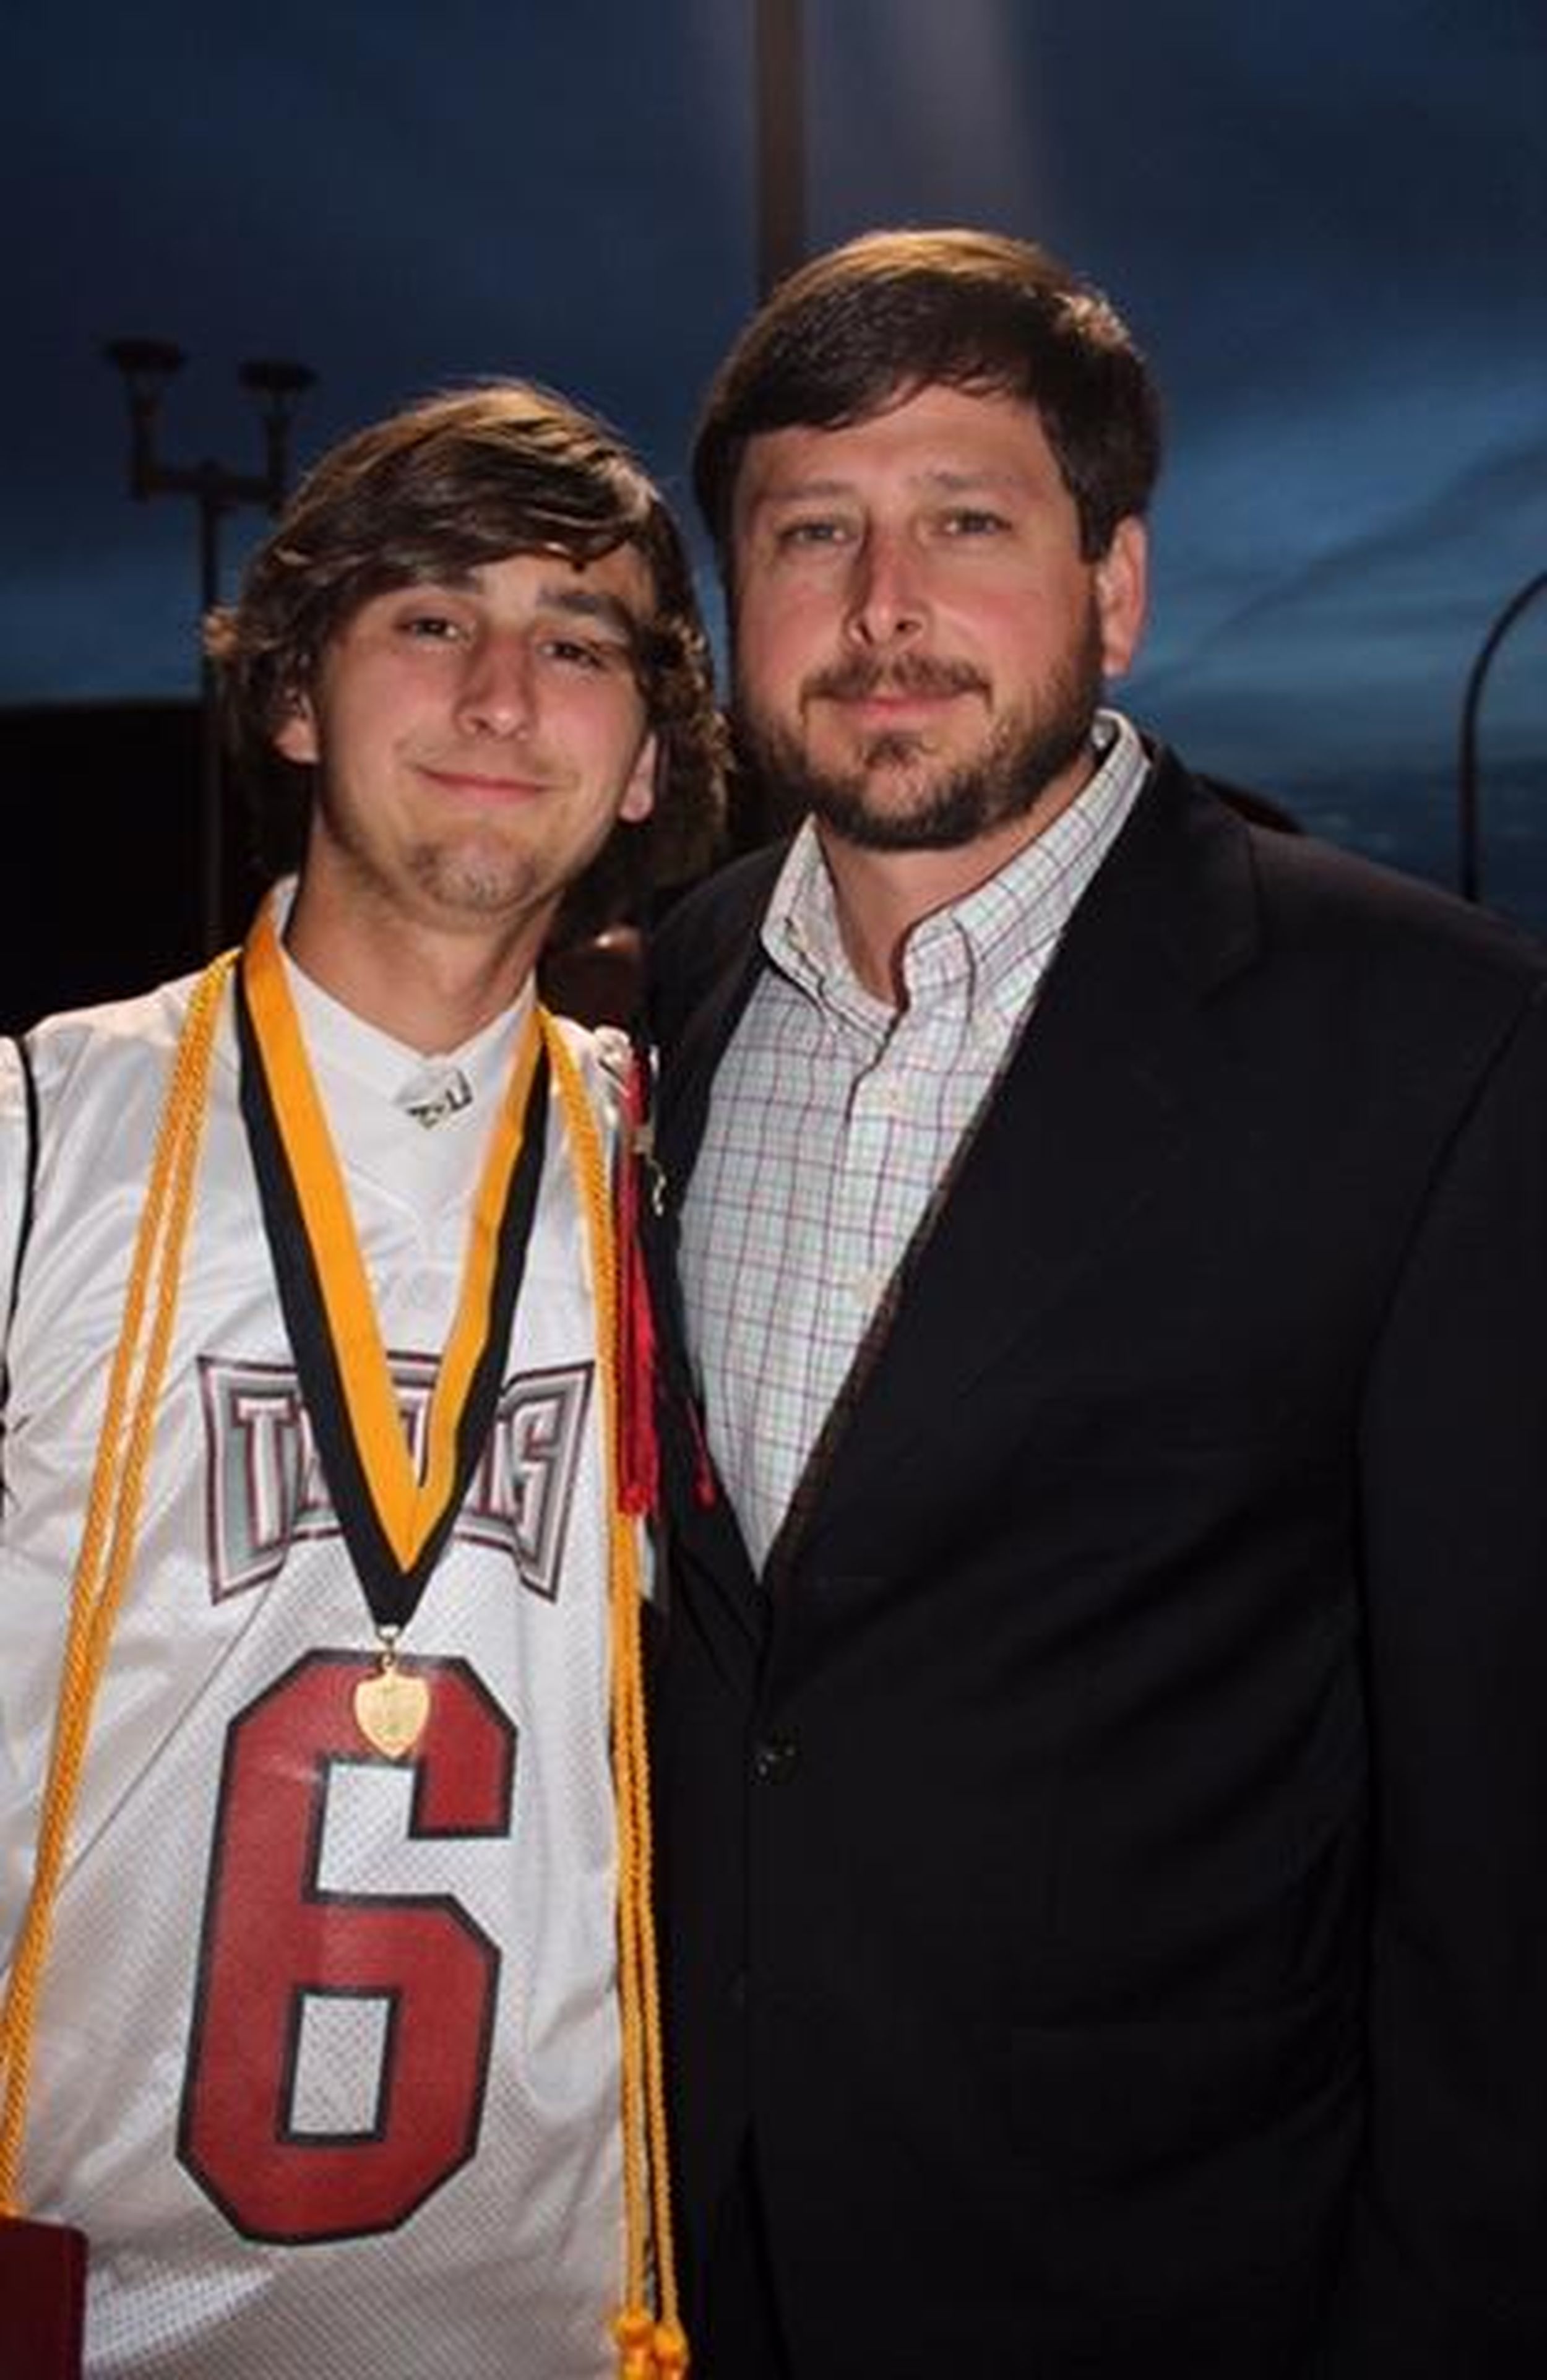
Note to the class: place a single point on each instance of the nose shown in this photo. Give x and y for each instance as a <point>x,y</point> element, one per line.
<point>887,602</point>
<point>494,694</point>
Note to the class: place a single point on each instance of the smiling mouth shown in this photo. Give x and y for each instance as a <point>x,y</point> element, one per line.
<point>478,785</point>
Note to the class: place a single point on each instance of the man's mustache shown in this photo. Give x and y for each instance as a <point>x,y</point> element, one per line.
<point>858,679</point>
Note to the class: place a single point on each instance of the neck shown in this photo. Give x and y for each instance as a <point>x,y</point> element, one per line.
<point>431,990</point>
<point>881,896</point>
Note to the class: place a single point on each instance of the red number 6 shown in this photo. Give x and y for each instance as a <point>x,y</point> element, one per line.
<point>275,1939</point>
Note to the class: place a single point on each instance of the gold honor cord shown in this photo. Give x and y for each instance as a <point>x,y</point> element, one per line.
<point>394,1523</point>
<point>107,1542</point>
<point>651,2347</point>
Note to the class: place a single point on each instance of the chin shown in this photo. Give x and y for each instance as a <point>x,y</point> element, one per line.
<point>474,881</point>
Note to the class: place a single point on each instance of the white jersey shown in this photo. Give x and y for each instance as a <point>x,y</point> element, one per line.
<point>326,2063</point>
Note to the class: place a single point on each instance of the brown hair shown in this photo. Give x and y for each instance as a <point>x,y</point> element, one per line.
<point>464,479</point>
<point>896,311</point>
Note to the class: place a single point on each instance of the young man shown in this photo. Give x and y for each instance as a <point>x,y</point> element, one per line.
<point>1105,1783</point>
<point>312,1910</point>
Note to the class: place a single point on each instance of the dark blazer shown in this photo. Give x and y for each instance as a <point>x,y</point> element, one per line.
<point>1106,1878</point>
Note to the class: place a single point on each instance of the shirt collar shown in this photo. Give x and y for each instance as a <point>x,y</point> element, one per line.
<point>338,1041</point>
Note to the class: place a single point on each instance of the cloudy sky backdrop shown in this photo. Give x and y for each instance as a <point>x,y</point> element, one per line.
<point>1327,224</point>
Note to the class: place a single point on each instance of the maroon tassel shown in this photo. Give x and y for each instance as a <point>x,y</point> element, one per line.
<point>703,1469</point>
<point>638,1450</point>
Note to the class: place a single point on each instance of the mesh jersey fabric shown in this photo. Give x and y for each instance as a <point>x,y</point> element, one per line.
<point>327,2057</point>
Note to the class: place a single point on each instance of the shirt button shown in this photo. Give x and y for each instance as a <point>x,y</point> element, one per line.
<point>773,1759</point>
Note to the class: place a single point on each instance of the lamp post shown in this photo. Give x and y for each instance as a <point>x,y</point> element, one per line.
<point>779,39</point>
<point>148,365</point>
<point>1468,789</point>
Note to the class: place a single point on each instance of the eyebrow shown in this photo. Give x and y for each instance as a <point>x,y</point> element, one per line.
<point>553,595</point>
<point>945,477</point>
<point>590,603</point>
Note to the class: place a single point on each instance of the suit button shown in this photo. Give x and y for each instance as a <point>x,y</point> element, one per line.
<point>772,1759</point>
<point>738,1994</point>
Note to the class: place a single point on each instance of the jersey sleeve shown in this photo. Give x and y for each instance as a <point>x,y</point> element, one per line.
<point>16,1166</point>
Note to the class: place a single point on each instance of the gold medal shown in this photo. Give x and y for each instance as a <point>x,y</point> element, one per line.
<point>392,1707</point>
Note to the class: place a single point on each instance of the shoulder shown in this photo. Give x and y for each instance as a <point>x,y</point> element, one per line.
<point>1446,975</point>
<point>101,1076</point>
<point>707,934</point>
<point>1320,913</point>
<point>72,1104</point>
<point>116,1038</point>
<point>721,907</point>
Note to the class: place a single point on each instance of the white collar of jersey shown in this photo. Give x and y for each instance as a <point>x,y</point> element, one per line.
<point>341,1044</point>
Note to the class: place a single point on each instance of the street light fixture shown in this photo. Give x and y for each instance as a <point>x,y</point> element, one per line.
<point>148,366</point>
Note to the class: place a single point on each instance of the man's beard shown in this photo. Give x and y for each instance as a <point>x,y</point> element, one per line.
<point>1029,750</point>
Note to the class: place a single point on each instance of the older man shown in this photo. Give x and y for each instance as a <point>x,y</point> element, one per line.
<point>1104,1776</point>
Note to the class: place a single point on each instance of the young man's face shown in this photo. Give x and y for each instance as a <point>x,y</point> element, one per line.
<point>475,742</point>
<point>919,644</point>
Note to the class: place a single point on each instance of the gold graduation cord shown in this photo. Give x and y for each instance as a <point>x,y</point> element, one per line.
<point>406,1507</point>
<point>648,2348</point>
<point>107,1542</point>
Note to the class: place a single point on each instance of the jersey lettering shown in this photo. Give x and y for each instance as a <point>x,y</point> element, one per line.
<point>266,1490</point>
<point>340,2042</point>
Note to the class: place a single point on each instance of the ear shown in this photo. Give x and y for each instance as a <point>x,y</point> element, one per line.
<point>296,736</point>
<point>638,794</point>
<point>1122,594</point>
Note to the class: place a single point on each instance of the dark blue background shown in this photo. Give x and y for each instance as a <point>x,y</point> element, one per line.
<point>1328,225</point>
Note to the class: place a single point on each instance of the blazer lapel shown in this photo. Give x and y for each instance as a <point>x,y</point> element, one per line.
<point>1092,1116</point>
<point>700,994</point>
<point>732,1613</point>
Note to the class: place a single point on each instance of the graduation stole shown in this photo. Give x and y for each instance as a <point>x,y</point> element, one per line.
<point>399,1519</point>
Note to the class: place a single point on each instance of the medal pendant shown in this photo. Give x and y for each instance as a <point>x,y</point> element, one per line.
<point>392,1707</point>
